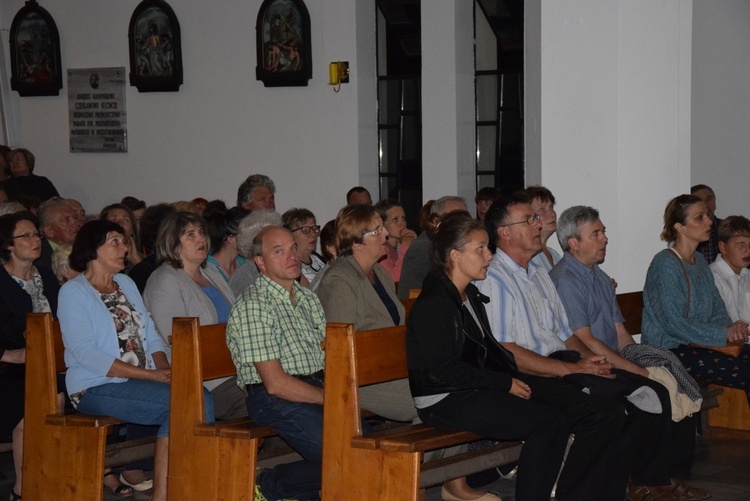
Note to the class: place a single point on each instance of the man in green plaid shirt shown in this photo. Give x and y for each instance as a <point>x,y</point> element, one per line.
<point>274,334</point>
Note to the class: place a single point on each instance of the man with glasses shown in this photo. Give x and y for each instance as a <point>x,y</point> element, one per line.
<point>527,317</point>
<point>59,225</point>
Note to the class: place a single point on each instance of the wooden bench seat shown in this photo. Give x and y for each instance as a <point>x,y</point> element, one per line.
<point>65,453</point>
<point>385,464</point>
<point>207,460</point>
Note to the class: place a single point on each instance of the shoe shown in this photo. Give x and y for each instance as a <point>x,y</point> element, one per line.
<point>653,493</point>
<point>143,486</point>
<point>14,496</point>
<point>258,494</point>
<point>508,472</point>
<point>121,490</point>
<point>686,492</point>
<point>488,496</point>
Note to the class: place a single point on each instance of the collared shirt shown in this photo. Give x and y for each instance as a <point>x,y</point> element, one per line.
<point>734,289</point>
<point>265,325</point>
<point>542,262</point>
<point>589,299</point>
<point>524,308</point>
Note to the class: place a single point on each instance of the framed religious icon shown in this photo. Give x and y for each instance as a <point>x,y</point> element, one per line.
<point>35,52</point>
<point>283,43</point>
<point>155,48</point>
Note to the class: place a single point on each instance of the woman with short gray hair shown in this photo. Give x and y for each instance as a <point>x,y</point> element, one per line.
<point>248,228</point>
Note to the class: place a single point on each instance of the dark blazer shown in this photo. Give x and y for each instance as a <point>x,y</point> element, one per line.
<point>447,350</point>
<point>15,303</point>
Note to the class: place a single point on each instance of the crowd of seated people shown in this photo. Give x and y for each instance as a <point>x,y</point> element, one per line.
<point>519,341</point>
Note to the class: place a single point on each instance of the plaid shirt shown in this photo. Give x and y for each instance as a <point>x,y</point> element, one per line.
<point>265,325</point>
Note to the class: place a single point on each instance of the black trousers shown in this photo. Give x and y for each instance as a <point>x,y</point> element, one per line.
<point>594,469</point>
<point>502,416</point>
<point>656,447</point>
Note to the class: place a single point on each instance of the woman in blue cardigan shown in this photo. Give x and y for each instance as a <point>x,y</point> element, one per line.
<point>116,361</point>
<point>683,306</point>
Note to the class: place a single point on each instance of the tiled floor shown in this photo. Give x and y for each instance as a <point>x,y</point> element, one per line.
<point>722,466</point>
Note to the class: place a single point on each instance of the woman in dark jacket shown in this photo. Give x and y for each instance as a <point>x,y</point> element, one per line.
<point>460,377</point>
<point>23,289</point>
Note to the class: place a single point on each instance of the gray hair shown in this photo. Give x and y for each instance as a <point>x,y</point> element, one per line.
<point>258,240</point>
<point>570,221</point>
<point>47,210</point>
<point>11,208</point>
<point>245,191</point>
<point>439,206</point>
<point>249,228</point>
<point>61,263</point>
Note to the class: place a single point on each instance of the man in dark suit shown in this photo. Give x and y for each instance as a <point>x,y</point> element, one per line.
<point>59,225</point>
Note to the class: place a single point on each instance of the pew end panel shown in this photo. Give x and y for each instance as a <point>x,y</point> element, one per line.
<point>207,460</point>
<point>63,453</point>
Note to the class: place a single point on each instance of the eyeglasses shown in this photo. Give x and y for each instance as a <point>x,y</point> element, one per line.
<point>531,220</point>
<point>307,229</point>
<point>376,231</point>
<point>30,235</point>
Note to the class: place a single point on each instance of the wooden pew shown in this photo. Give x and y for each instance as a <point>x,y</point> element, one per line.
<point>386,464</point>
<point>207,461</point>
<point>64,453</point>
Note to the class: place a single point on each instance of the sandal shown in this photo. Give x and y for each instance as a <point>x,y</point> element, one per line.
<point>687,492</point>
<point>14,496</point>
<point>121,490</point>
<point>646,493</point>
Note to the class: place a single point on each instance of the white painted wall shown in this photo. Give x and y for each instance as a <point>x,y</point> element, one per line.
<point>612,128</point>
<point>721,102</point>
<point>223,124</point>
<point>448,150</point>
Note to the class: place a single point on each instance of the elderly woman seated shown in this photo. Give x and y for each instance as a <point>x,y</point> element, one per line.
<point>122,215</point>
<point>116,361</point>
<point>399,236</point>
<point>248,228</point>
<point>302,224</point>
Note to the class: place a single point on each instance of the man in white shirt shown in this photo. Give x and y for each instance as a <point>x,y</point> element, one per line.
<point>731,275</point>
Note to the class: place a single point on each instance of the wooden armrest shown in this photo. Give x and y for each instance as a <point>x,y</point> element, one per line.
<point>78,419</point>
<point>427,440</point>
<point>244,429</point>
<point>413,438</point>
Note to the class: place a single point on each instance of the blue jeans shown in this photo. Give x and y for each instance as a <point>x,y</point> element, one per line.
<point>136,401</point>
<point>301,426</point>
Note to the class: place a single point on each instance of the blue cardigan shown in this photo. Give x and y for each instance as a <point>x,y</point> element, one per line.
<point>89,336</point>
<point>665,303</point>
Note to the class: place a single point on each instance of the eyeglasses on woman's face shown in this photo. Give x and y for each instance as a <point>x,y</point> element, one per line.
<point>307,229</point>
<point>376,231</point>
<point>37,234</point>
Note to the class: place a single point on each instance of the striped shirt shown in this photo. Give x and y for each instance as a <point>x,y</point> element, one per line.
<point>265,325</point>
<point>524,308</point>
